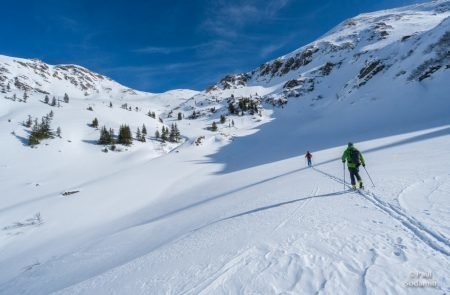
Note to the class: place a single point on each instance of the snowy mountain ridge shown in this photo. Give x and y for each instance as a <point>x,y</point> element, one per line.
<point>371,43</point>
<point>33,75</point>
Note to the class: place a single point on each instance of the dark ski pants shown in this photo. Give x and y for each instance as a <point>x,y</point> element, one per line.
<point>354,172</point>
<point>309,162</point>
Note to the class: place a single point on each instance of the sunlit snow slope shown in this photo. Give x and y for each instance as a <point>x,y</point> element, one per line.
<point>236,211</point>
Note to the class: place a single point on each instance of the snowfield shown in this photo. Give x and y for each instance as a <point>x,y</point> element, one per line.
<point>237,210</point>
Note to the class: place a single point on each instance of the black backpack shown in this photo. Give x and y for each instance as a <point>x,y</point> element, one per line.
<point>354,156</point>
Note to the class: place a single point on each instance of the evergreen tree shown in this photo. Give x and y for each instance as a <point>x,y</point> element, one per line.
<point>66,98</point>
<point>14,97</point>
<point>8,87</point>
<point>157,134</point>
<point>28,122</point>
<point>58,131</point>
<point>172,133</point>
<point>180,116</point>
<point>46,99</point>
<point>25,96</point>
<point>232,123</point>
<point>44,128</point>
<point>111,134</point>
<point>144,130</point>
<point>105,136</point>
<point>177,133</point>
<point>222,119</point>
<point>110,104</point>
<point>164,133</point>
<point>124,136</point>
<point>41,130</point>
<point>51,114</point>
<point>214,126</point>
<point>33,140</point>
<point>53,101</point>
<point>138,134</point>
<point>231,108</point>
<point>94,123</point>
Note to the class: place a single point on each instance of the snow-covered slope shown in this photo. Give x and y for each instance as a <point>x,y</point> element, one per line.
<point>36,76</point>
<point>236,211</point>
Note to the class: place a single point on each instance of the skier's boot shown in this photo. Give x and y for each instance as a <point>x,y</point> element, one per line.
<point>361,185</point>
<point>353,186</point>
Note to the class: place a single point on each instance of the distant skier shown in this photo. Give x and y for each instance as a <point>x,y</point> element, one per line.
<point>308,156</point>
<point>354,159</point>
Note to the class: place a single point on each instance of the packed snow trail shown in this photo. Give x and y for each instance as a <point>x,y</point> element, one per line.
<point>426,235</point>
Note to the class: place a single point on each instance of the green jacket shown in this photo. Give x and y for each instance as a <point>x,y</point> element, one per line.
<point>346,157</point>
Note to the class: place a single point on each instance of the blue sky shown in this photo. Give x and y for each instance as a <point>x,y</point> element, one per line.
<point>158,45</point>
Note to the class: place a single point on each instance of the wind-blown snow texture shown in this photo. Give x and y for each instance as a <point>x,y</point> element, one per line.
<point>237,211</point>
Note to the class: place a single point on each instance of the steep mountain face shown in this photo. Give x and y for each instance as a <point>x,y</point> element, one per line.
<point>407,45</point>
<point>38,77</point>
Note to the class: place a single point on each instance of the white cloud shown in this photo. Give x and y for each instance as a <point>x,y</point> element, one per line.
<point>226,18</point>
<point>214,46</point>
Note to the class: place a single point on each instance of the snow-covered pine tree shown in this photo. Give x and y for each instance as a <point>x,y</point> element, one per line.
<point>231,108</point>
<point>214,126</point>
<point>112,135</point>
<point>172,133</point>
<point>105,136</point>
<point>138,134</point>
<point>28,122</point>
<point>164,133</point>
<point>94,123</point>
<point>125,136</point>
<point>66,98</point>
<point>177,133</point>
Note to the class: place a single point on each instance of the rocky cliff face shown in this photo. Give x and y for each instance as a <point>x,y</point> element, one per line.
<point>408,44</point>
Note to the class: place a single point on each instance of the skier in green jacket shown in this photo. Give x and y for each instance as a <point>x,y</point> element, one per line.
<point>354,159</point>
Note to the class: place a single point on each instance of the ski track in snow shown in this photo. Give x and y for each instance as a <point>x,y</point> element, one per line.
<point>300,206</point>
<point>432,239</point>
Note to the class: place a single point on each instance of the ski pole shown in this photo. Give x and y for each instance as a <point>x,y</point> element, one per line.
<point>343,166</point>
<point>369,176</point>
